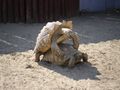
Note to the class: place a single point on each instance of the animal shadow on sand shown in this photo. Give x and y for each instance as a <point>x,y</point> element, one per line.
<point>79,72</point>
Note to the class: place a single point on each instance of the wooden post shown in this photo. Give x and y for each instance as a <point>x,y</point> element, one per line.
<point>50,9</point>
<point>10,11</point>
<point>29,11</point>
<point>40,8</point>
<point>4,11</point>
<point>35,10</point>
<point>1,10</point>
<point>17,10</point>
<point>22,10</point>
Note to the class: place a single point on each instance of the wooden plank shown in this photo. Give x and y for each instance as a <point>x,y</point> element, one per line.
<point>67,9</point>
<point>22,10</point>
<point>76,7</point>
<point>29,11</point>
<point>0,10</point>
<point>35,10</point>
<point>69,13</point>
<point>72,7</point>
<point>63,8</point>
<point>58,9</point>
<point>55,9</point>
<point>44,10</point>
<point>16,10</point>
<point>4,11</point>
<point>10,11</point>
<point>40,8</point>
<point>51,10</point>
<point>61,11</point>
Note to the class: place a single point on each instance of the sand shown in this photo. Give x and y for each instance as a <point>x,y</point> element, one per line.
<point>19,72</point>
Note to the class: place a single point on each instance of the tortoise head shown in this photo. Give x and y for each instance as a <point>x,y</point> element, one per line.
<point>79,55</point>
<point>67,24</point>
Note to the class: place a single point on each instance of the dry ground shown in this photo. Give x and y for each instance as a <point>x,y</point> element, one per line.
<point>19,72</point>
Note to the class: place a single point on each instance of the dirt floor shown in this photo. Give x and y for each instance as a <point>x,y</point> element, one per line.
<point>92,28</point>
<point>19,72</point>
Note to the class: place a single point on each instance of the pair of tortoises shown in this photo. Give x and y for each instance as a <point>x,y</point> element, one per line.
<point>50,43</point>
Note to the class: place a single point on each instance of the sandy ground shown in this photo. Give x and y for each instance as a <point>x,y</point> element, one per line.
<point>19,72</point>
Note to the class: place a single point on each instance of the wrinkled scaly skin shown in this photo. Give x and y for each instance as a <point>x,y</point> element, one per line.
<point>63,31</point>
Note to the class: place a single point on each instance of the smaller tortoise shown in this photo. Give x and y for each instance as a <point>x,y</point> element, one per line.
<point>63,30</point>
<point>69,57</point>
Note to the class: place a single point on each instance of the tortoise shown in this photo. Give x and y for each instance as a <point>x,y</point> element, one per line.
<point>63,31</point>
<point>63,54</point>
